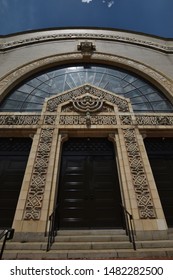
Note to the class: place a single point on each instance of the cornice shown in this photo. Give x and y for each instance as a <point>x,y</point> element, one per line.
<point>135,39</point>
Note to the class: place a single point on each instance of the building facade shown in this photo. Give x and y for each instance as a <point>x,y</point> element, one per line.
<point>88,114</point>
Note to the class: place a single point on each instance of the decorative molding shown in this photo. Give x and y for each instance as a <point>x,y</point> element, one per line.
<point>154,120</point>
<point>120,102</point>
<point>164,47</point>
<point>86,48</point>
<point>141,186</point>
<point>19,119</point>
<point>82,120</point>
<point>87,104</point>
<point>126,120</point>
<point>49,120</point>
<point>69,108</point>
<point>38,179</point>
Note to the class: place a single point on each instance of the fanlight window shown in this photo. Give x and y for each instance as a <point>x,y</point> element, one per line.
<point>31,95</point>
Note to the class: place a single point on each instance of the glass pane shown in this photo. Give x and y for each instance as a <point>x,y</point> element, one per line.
<point>31,95</point>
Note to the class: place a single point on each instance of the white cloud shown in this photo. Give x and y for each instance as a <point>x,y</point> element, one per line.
<point>86,1</point>
<point>110,4</point>
<point>107,2</point>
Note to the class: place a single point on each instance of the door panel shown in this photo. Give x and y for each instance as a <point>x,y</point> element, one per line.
<point>13,159</point>
<point>89,194</point>
<point>160,153</point>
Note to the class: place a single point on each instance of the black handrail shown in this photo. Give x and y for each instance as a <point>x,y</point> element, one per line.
<point>52,231</point>
<point>7,234</point>
<point>129,226</point>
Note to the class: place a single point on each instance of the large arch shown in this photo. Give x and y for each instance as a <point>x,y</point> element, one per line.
<point>158,79</point>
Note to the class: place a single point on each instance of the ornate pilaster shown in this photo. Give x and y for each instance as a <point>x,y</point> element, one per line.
<point>139,178</point>
<point>38,179</point>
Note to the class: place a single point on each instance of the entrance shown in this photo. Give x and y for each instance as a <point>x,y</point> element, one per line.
<point>160,153</point>
<point>13,158</point>
<point>89,193</point>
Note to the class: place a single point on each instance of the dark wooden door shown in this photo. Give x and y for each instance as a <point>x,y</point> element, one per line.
<point>89,194</point>
<point>13,158</point>
<point>160,152</point>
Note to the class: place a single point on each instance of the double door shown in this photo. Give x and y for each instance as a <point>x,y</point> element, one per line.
<point>13,159</point>
<point>88,194</point>
<point>160,153</point>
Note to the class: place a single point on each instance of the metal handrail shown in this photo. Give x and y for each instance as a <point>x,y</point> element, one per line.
<point>7,234</point>
<point>52,232</point>
<point>129,226</point>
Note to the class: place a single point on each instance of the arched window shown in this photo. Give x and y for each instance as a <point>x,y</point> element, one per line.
<point>30,95</point>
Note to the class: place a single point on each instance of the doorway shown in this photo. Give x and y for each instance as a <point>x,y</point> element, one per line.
<point>160,153</point>
<point>14,154</point>
<point>89,193</point>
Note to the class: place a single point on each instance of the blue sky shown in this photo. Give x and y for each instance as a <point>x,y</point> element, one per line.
<point>148,16</point>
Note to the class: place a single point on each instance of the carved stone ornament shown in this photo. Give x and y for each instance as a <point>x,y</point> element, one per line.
<point>161,46</point>
<point>96,93</point>
<point>19,119</point>
<point>164,120</point>
<point>86,48</point>
<point>140,183</point>
<point>87,104</point>
<point>88,120</point>
<point>38,179</point>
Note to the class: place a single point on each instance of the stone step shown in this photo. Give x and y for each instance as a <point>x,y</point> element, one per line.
<point>92,232</point>
<point>89,254</point>
<point>90,238</point>
<point>88,245</point>
<point>67,245</point>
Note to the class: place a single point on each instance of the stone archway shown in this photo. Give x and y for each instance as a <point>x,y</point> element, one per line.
<point>115,118</point>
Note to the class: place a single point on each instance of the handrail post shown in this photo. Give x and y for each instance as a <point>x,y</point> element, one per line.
<point>3,245</point>
<point>129,226</point>
<point>7,234</point>
<point>52,232</point>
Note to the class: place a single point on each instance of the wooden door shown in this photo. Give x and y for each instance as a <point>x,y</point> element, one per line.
<point>160,153</point>
<point>89,194</point>
<point>13,158</point>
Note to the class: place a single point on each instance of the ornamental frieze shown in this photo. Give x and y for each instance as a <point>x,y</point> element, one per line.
<point>54,37</point>
<point>121,103</point>
<point>82,120</point>
<point>154,120</point>
<point>19,119</point>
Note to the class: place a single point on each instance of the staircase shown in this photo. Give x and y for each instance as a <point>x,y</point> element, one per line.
<point>96,244</point>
